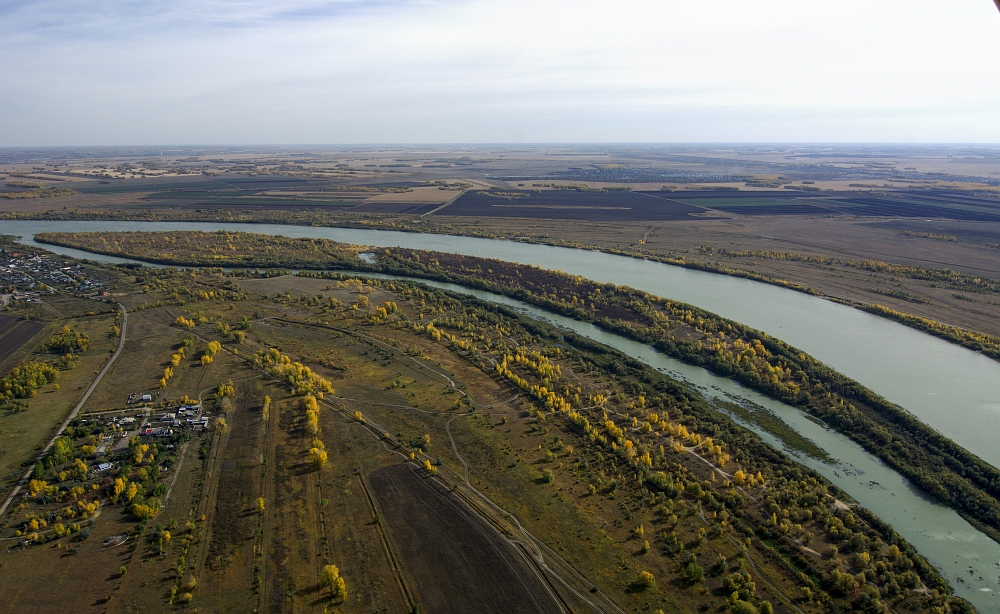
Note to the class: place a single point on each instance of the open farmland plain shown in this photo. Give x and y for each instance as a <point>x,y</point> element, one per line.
<point>795,215</point>
<point>570,205</point>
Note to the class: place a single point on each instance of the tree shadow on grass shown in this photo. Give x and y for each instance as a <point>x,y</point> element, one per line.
<point>316,591</point>
<point>320,600</point>
<point>309,590</point>
<point>302,468</point>
<point>637,587</point>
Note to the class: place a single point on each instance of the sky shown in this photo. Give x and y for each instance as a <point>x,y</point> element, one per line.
<point>190,72</point>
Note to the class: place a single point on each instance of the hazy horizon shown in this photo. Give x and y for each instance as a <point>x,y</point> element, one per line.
<point>508,144</point>
<point>457,72</point>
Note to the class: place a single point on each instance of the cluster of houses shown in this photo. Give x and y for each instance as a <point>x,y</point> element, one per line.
<point>27,271</point>
<point>165,424</point>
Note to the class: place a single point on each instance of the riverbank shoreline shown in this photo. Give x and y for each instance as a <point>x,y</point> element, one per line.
<point>895,301</point>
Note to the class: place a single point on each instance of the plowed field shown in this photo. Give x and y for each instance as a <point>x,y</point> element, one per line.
<point>457,561</point>
<point>16,335</point>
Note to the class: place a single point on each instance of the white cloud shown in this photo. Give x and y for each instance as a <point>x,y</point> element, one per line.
<point>498,70</point>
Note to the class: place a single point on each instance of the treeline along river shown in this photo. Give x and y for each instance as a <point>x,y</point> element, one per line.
<point>952,389</point>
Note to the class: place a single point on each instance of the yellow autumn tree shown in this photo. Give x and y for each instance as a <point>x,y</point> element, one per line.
<point>317,457</point>
<point>330,578</point>
<point>117,488</point>
<point>312,413</point>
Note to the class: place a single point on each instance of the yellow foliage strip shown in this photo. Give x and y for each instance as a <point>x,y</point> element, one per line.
<point>552,400</point>
<point>312,413</point>
<point>300,377</point>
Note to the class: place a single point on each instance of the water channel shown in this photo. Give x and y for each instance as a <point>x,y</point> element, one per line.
<point>950,388</point>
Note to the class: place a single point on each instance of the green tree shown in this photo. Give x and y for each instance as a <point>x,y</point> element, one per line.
<point>740,584</point>
<point>739,606</point>
<point>692,571</point>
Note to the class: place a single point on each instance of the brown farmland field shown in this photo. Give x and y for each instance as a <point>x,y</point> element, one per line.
<point>571,205</point>
<point>6,322</point>
<point>17,334</point>
<point>459,563</point>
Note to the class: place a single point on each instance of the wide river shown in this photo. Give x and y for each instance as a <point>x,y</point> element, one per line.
<point>954,390</point>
